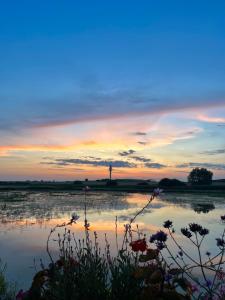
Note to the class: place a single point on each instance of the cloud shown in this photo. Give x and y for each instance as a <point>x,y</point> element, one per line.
<point>142,159</point>
<point>93,104</point>
<point>96,163</point>
<point>155,165</point>
<point>142,143</point>
<point>127,153</point>
<point>202,165</point>
<point>139,133</point>
<point>209,119</point>
<point>214,152</point>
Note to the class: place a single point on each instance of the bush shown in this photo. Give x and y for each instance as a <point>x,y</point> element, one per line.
<point>166,182</point>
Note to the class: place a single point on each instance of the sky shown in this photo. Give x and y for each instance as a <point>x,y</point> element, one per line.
<point>138,84</point>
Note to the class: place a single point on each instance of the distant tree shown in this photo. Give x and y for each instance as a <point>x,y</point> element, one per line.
<point>200,176</point>
<point>202,207</point>
<point>167,182</point>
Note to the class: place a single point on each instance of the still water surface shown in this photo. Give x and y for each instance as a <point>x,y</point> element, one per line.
<point>26,219</point>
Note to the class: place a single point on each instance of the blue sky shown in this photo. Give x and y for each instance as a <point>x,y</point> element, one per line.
<point>74,73</point>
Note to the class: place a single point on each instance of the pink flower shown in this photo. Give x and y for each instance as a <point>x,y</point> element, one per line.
<point>20,295</point>
<point>157,192</point>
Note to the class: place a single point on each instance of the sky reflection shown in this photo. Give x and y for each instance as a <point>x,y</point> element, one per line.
<point>26,221</point>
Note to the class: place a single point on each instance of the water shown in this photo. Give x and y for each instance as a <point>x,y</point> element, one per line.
<point>26,220</point>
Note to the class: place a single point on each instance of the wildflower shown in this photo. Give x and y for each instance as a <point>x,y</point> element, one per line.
<point>73,262</point>
<point>193,288</point>
<point>204,231</point>
<point>157,192</point>
<point>195,227</point>
<point>139,245</point>
<point>160,245</point>
<point>222,218</point>
<point>60,262</point>
<point>21,295</point>
<point>222,291</point>
<point>220,275</point>
<point>74,217</point>
<point>208,283</point>
<point>180,253</point>
<point>86,189</point>
<point>186,232</point>
<point>86,225</point>
<point>168,277</point>
<point>168,224</point>
<point>160,236</point>
<point>220,242</point>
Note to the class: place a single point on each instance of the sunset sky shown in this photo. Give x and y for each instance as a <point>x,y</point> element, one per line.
<point>140,84</point>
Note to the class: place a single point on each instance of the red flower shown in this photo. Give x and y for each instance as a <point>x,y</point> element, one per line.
<point>139,245</point>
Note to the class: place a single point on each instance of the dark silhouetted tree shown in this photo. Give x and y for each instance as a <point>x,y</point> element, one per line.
<point>200,176</point>
<point>167,182</point>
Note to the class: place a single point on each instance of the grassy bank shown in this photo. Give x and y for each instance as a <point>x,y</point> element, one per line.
<point>131,186</point>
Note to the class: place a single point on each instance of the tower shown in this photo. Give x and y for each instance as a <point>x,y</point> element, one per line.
<point>110,172</point>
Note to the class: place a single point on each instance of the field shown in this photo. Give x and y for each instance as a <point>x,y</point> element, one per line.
<point>124,185</point>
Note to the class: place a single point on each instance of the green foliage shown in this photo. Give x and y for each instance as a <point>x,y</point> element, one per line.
<point>200,176</point>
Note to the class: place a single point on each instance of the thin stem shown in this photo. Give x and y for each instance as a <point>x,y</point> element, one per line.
<point>171,235</point>
<point>200,258</point>
<point>220,261</point>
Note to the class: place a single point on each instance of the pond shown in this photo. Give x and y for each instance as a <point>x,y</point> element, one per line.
<point>26,219</point>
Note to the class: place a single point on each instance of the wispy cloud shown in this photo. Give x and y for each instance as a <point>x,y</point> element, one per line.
<point>127,153</point>
<point>141,159</point>
<point>95,105</point>
<point>215,166</point>
<point>96,163</point>
<point>142,143</point>
<point>210,119</point>
<point>154,165</point>
<point>139,133</point>
<point>213,152</point>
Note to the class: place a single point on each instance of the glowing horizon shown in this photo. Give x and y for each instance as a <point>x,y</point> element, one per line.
<point>138,86</point>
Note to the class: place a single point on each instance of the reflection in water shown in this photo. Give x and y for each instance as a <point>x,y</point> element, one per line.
<point>26,218</point>
<point>202,207</point>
